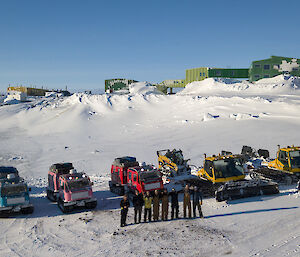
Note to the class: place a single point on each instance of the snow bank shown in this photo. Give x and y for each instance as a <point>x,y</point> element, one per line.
<point>143,88</point>
<point>11,101</point>
<point>270,86</point>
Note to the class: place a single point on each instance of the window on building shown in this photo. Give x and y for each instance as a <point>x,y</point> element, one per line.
<point>203,74</point>
<point>266,66</point>
<point>256,76</point>
<point>256,65</point>
<point>232,73</point>
<point>200,74</point>
<point>266,76</point>
<point>218,73</point>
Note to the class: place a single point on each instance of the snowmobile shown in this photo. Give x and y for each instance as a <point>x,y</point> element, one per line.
<point>226,177</point>
<point>285,168</point>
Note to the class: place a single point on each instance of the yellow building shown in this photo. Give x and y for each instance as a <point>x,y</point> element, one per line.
<point>28,90</point>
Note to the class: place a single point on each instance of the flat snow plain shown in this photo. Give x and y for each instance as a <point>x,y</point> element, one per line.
<point>91,130</point>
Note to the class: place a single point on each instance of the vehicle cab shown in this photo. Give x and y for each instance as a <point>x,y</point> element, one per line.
<point>288,159</point>
<point>14,197</point>
<point>9,174</point>
<point>75,189</point>
<point>220,169</point>
<point>55,171</point>
<point>144,178</point>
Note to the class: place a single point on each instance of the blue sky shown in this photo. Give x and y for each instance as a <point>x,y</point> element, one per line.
<point>81,43</point>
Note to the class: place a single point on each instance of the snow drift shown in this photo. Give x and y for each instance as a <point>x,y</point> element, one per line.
<point>271,86</point>
<point>143,88</point>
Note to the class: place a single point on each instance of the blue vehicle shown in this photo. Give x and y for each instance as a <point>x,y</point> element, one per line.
<point>14,193</point>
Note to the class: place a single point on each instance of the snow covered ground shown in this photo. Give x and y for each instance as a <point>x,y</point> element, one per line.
<point>91,130</point>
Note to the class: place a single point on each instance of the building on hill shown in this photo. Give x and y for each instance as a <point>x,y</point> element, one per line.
<point>273,66</point>
<point>29,91</point>
<point>171,83</point>
<point>16,95</point>
<point>112,85</point>
<point>198,74</point>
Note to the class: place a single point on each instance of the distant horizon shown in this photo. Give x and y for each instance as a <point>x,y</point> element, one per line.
<point>70,43</point>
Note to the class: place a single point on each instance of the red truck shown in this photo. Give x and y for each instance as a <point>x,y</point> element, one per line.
<point>127,176</point>
<point>69,188</point>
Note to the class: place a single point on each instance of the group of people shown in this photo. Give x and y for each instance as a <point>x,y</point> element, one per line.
<point>192,200</point>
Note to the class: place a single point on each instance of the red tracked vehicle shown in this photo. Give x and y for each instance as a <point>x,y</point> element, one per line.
<point>127,175</point>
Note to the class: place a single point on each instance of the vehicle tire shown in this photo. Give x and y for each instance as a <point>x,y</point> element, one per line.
<point>253,175</point>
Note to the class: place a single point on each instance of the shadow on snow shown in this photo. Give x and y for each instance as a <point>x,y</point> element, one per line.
<point>249,212</point>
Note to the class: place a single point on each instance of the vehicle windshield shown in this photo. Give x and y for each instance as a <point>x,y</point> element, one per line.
<point>295,159</point>
<point>11,189</point>
<point>3,175</point>
<point>227,168</point>
<point>78,183</point>
<point>149,175</point>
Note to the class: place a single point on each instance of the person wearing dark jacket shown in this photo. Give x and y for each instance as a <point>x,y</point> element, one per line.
<point>174,203</point>
<point>197,202</point>
<point>124,204</point>
<point>165,205</point>
<point>138,205</point>
<point>187,201</point>
<point>156,200</point>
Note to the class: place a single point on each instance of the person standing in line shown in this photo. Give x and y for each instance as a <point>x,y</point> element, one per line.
<point>174,204</point>
<point>165,205</point>
<point>298,186</point>
<point>156,200</point>
<point>124,204</point>
<point>187,202</point>
<point>147,209</point>
<point>138,205</point>
<point>197,202</point>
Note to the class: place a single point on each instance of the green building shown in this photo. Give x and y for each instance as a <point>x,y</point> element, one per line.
<point>198,74</point>
<point>117,84</point>
<point>274,66</point>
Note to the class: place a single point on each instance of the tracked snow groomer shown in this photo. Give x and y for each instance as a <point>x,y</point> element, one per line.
<point>127,175</point>
<point>285,168</point>
<point>225,173</point>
